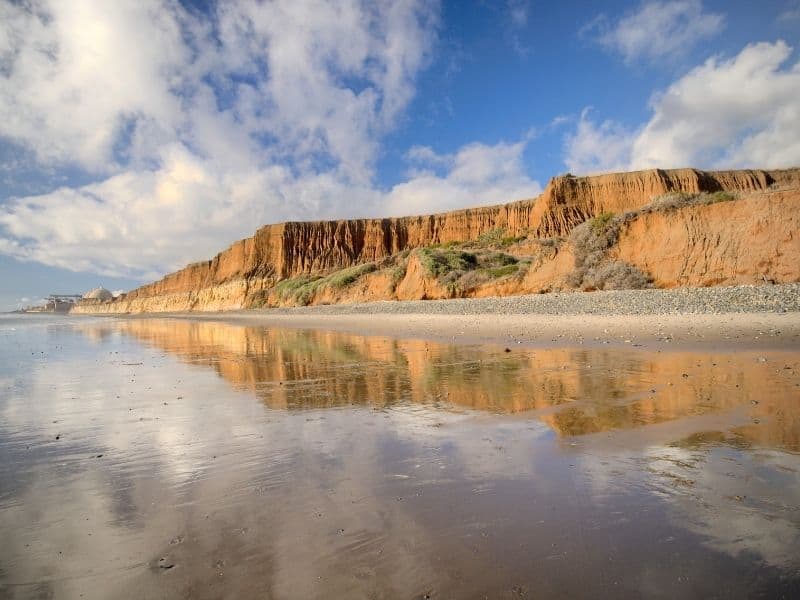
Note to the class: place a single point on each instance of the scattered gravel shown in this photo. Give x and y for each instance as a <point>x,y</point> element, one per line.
<point>711,300</point>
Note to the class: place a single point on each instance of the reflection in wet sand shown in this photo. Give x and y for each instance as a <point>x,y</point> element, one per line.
<point>587,390</point>
<point>136,463</point>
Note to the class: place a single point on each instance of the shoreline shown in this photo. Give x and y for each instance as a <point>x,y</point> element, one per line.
<point>740,332</point>
<point>682,318</point>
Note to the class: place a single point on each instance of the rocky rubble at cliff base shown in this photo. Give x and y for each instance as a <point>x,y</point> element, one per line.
<point>712,300</point>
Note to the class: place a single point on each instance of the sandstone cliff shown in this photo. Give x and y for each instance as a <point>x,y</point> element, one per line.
<point>747,241</point>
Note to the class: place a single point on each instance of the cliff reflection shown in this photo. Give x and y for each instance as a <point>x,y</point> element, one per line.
<point>139,462</point>
<point>574,391</point>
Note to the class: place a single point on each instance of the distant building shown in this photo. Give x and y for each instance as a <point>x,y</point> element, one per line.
<point>55,303</point>
<point>100,294</point>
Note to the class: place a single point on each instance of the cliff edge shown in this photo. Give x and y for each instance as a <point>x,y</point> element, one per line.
<point>662,228</point>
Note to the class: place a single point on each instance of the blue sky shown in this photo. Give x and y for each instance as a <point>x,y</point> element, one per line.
<point>140,135</point>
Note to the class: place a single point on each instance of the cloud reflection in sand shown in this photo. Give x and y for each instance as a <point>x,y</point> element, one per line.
<point>372,466</point>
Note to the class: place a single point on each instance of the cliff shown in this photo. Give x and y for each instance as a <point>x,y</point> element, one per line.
<point>708,245</point>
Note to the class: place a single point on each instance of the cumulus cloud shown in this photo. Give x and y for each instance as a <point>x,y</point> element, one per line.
<point>740,112</point>
<point>137,222</point>
<point>477,174</point>
<point>736,112</point>
<point>97,84</point>
<point>141,223</point>
<point>76,73</point>
<point>597,147</point>
<point>656,30</point>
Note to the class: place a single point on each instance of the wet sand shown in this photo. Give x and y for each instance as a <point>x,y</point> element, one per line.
<point>192,457</point>
<point>691,331</point>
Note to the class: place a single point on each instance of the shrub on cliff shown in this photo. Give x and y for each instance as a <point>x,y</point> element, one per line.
<point>291,288</point>
<point>615,275</point>
<point>463,271</point>
<point>591,241</point>
<point>497,237</point>
<point>497,272</point>
<point>439,262</point>
<point>491,260</point>
<point>345,277</point>
<point>493,237</point>
<point>677,200</point>
<point>397,274</point>
<point>302,289</point>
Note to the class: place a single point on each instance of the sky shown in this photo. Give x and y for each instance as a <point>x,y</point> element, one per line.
<point>137,136</point>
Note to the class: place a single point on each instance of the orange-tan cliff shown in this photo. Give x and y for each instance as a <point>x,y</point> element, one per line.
<point>750,237</point>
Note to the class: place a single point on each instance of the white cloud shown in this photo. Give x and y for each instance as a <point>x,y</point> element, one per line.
<point>738,112</point>
<point>477,174</point>
<point>143,223</point>
<point>518,12</point>
<point>427,156</point>
<point>741,112</point>
<point>791,14</point>
<point>599,147</point>
<point>99,85</point>
<point>657,30</point>
<point>516,15</point>
<point>76,72</point>
<point>338,74</point>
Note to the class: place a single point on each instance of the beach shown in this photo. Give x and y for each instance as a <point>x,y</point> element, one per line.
<point>381,451</point>
<point>741,316</point>
<point>426,299</point>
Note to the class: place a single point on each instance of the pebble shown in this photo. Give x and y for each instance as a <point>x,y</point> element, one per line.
<point>710,300</point>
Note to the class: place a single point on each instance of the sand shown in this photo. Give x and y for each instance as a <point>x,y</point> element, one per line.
<point>222,455</point>
<point>695,331</point>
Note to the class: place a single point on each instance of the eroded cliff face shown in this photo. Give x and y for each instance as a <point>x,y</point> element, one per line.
<point>718,242</point>
<point>749,241</point>
<point>569,201</point>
